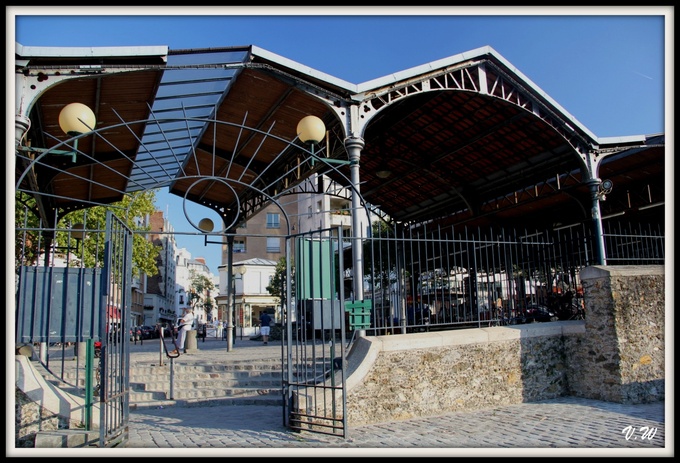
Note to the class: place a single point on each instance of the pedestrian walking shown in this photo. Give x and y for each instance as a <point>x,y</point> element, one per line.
<point>265,322</point>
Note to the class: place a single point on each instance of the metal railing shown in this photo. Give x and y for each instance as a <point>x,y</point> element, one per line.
<point>441,279</point>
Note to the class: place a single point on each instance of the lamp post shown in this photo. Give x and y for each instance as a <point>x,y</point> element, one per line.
<point>242,271</point>
<point>230,292</point>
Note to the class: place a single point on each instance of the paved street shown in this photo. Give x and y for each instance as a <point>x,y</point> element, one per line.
<point>566,423</point>
<point>565,426</point>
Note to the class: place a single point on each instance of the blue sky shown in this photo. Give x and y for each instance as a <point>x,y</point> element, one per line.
<point>609,67</point>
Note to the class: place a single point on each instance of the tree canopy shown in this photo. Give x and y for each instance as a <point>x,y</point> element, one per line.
<point>199,292</point>
<point>277,285</point>
<point>132,211</point>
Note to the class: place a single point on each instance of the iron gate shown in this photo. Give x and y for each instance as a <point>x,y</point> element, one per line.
<point>67,308</point>
<point>114,360</point>
<point>314,338</point>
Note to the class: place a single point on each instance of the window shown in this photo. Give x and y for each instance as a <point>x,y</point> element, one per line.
<point>273,220</point>
<point>273,244</point>
<point>239,245</point>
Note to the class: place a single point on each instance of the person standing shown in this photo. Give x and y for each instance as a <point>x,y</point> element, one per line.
<point>184,324</point>
<point>265,321</point>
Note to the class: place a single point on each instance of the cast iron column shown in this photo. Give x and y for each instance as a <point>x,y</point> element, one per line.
<point>354,146</point>
<point>594,185</point>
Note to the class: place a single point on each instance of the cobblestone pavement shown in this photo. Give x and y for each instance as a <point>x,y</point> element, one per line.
<point>562,425</point>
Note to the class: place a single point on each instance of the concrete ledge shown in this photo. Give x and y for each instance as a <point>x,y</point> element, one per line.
<point>599,271</point>
<point>570,327</point>
<point>412,341</point>
<point>48,396</point>
<point>361,358</point>
<point>467,336</point>
<point>66,439</point>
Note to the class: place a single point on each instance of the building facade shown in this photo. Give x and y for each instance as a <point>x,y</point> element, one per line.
<point>159,298</point>
<point>259,245</point>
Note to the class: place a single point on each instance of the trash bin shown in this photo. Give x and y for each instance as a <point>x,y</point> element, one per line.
<point>359,314</point>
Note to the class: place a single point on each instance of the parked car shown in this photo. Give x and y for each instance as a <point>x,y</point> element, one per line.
<point>539,313</point>
<point>148,332</point>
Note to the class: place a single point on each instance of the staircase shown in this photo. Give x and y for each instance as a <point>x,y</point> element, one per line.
<point>206,377</point>
<point>240,382</point>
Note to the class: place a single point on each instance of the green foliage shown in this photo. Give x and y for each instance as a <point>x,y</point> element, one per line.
<point>26,242</point>
<point>199,296</point>
<point>131,210</point>
<point>277,285</point>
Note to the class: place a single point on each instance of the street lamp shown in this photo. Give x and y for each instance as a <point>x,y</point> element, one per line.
<point>206,225</point>
<point>242,271</point>
<point>311,130</point>
<point>78,232</point>
<point>74,119</point>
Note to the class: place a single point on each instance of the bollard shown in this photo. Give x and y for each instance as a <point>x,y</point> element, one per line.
<point>161,345</point>
<point>81,351</point>
<point>191,343</point>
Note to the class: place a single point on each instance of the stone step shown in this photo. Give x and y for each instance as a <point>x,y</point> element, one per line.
<point>197,373</point>
<point>199,379</point>
<point>178,393</point>
<point>157,384</point>
<point>270,399</point>
<point>245,382</point>
<point>203,369</point>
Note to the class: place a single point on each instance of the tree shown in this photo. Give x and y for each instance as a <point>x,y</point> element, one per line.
<point>26,239</point>
<point>199,292</point>
<point>130,210</point>
<point>277,285</point>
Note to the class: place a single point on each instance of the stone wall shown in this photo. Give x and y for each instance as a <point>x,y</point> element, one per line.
<point>31,418</point>
<point>41,407</point>
<point>426,374</point>
<point>617,354</point>
<point>624,350</point>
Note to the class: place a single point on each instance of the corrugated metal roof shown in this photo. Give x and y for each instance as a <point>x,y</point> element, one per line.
<point>466,140</point>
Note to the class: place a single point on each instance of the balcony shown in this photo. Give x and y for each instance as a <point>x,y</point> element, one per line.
<point>341,217</point>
